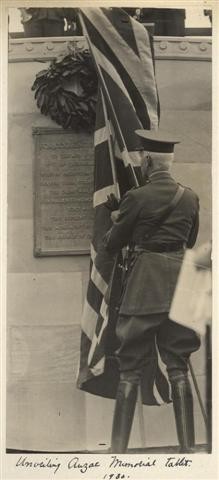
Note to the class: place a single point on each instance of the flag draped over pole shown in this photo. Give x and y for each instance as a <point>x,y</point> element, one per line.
<point>123,54</point>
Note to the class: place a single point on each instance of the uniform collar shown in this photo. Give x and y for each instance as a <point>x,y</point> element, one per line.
<point>159,174</point>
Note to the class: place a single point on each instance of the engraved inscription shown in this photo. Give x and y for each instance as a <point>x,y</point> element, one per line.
<point>63,192</point>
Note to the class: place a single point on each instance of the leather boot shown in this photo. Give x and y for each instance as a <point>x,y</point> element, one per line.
<point>123,416</point>
<point>183,410</point>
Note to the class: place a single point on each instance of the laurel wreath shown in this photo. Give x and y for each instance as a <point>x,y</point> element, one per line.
<point>67,91</point>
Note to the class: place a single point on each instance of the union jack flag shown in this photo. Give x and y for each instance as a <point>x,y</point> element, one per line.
<point>122,50</point>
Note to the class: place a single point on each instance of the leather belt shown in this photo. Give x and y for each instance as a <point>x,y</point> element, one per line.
<point>171,247</point>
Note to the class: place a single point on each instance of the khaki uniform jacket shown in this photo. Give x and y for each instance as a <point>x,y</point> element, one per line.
<point>152,277</point>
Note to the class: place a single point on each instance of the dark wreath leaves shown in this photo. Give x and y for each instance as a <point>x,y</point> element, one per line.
<point>67,91</point>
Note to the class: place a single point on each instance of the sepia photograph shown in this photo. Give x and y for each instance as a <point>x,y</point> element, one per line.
<point>109,239</point>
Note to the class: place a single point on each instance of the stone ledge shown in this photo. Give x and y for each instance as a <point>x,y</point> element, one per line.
<point>42,49</point>
<point>183,48</point>
<point>166,48</point>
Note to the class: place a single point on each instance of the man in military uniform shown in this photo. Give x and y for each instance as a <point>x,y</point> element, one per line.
<point>158,220</point>
<point>46,22</point>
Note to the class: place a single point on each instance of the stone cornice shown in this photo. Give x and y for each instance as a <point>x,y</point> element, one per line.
<point>165,48</point>
<point>183,48</point>
<point>33,49</point>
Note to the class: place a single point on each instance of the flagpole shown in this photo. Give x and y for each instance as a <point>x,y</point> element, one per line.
<point>124,151</point>
<point>198,394</point>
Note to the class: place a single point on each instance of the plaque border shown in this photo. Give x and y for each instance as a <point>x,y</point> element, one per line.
<point>37,249</point>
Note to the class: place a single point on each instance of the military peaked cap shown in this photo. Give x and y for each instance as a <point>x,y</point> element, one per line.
<point>157,140</point>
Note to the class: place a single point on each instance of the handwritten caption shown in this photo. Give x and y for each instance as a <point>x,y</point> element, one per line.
<point>115,465</point>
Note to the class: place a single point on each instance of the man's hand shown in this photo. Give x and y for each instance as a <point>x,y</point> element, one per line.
<point>112,202</point>
<point>114,215</point>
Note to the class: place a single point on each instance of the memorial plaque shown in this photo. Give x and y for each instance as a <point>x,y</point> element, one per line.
<point>64,163</point>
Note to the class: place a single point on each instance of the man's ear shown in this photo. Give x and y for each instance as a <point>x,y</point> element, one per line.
<point>144,166</point>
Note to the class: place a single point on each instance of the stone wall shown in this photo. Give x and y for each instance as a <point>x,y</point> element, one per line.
<point>45,296</point>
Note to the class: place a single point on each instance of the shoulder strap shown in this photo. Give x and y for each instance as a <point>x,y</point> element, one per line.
<point>172,205</point>
<point>175,200</point>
